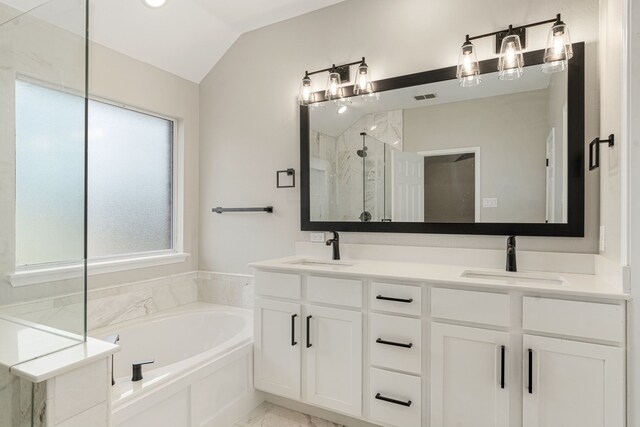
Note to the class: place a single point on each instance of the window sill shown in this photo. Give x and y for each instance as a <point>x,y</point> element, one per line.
<point>35,275</point>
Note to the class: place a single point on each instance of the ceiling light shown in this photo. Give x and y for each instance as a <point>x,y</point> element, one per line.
<point>342,109</point>
<point>154,3</point>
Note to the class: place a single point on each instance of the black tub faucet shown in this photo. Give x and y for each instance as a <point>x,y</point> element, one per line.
<point>511,254</point>
<point>335,244</point>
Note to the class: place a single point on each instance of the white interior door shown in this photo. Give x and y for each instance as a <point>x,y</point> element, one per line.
<point>277,347</point>
<point>407,187</point>
<point>469,380</point>
<point>333,351</point>
<point>573,384</point>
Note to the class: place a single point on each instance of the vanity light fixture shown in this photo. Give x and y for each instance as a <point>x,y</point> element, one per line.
<point>511,61</point>
<point>509,45</point>
<point>468,68</point>
<point>334,90</point>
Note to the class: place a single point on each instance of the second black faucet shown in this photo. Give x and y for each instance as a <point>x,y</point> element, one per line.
<point>335,244</point>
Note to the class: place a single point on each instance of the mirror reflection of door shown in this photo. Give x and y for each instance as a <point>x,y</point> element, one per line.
<point>450,187</point>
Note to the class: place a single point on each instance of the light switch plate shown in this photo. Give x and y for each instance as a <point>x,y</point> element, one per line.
<point>317,237</point>
<point>490,202</point>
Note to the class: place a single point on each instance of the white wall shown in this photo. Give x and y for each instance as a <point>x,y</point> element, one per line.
<point>250,125</point>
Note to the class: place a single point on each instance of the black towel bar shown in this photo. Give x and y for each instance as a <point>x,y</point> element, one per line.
<point>267,209</point>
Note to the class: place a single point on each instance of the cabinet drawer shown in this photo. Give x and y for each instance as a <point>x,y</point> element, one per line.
<point>470,306</point>
<point>281,285</point>
<point>402,299</point>
<point>576,318</point>
<point>404,409</point>
<point>395,342</point>
<point>330,290</point>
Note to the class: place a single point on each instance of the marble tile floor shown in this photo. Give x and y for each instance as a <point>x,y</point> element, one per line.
<point>270,415</point>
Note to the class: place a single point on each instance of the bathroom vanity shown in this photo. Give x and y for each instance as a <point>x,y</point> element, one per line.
<point>408,344</point>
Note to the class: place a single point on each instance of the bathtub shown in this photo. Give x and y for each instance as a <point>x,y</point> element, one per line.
<point>202,374</point>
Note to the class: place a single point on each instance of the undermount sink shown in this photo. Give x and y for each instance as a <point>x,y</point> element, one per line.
<point>320,263</point>
<point>515,278</point>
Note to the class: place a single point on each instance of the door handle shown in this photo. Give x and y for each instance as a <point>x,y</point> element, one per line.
<point>405,300</point>
<point>502,351</point>
<point>397,344</point>
<point>293,330</point>
<point>308,329</point>
<point>530,386</point>
<point>390,400</point>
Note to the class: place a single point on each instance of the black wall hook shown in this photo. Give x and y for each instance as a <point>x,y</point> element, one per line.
<point>594,151</point>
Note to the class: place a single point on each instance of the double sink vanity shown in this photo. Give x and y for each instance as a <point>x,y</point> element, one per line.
<point>408,344</point>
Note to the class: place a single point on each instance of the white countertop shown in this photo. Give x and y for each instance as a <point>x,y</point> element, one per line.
<point>585,285</point>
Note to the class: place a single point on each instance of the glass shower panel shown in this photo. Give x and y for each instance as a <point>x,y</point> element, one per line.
<point>42,175</point>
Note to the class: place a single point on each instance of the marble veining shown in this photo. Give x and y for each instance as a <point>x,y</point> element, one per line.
<point>227,289</point>
<point>270,415</point>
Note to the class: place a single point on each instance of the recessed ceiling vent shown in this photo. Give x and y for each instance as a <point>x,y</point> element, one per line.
<point>425,96</point>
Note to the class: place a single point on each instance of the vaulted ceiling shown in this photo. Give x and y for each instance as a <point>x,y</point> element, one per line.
<point>184,37</point>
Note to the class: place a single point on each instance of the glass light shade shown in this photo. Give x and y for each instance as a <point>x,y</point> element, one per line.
<point>511,62</point>
<point>468,73</point>
<point>363,85</point>
<point>334,86</point>
<point>306,95</point>
<point>559,50</point>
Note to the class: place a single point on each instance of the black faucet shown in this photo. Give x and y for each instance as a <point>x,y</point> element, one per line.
<point>112,339</point>
<point>137,369</point>
<point>335,244</point>
<point>511,254</point>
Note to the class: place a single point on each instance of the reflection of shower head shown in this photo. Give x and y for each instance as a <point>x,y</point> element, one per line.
<point>363,152</point>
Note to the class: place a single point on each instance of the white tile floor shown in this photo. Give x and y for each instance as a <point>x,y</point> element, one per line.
<point>270,415</point>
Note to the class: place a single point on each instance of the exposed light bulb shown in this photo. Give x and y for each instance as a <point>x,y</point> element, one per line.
<point>334,86</point>
<point>468,72</point>
<point>511,62</point>
<point>363,85</point>
<point>559,50</point>
<point>154,3</point>
<point>306,95</point>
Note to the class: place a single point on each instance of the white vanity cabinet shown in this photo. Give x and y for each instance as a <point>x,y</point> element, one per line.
<point>290,329</point>
<point>333,353</point>
<point>570,383</point>
<point>409,353</point>
<point>469,376</point>
<point>277,347</point>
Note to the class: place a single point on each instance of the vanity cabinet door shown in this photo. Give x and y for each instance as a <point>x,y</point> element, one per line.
<point>469,381</point>
<point>277,343</point>
<point>569,383</point>
<point>333,352</point>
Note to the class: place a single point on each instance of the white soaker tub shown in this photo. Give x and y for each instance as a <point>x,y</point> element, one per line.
<point>203,369</point>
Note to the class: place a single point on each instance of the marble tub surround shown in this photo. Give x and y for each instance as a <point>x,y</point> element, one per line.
<point>227,289</point>
<point>271,415</point>
<point>17,399</point>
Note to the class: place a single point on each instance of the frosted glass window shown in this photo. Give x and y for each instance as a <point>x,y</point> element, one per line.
<point>49,175</point>
<point>130,177</point>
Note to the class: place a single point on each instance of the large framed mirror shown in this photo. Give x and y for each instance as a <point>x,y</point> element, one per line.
<point>426,155</point>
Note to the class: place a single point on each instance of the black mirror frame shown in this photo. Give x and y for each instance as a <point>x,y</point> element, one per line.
<point>575,173</point>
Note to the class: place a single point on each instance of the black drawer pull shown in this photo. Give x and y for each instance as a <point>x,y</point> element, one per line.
<point>408,301</point>
<point>530,386</point>
<point>308,329</point>
<point>502,350</point>
<point>390,400</point>
<point>397,344</point>
<point>293,330</point>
